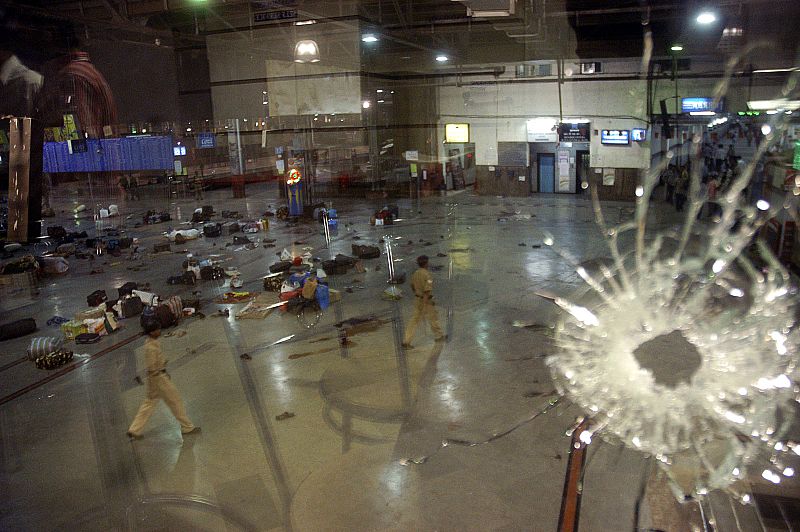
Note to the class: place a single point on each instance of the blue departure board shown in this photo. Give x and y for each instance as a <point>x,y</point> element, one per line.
<point>109,155</point>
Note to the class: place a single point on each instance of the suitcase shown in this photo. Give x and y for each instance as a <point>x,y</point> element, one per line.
<point>87,338</point>
<point>131,307</point>
<point>344,259</point>
<point>163,246</point>
<point>280,266</point>
<point>127,289</point>
<point>272,282</point>
<point>366,252</point>
<point>43,346</point>
<point>96,298</point>
<point>90,314</point>
<point>331,267</point>
<point>212,230</point>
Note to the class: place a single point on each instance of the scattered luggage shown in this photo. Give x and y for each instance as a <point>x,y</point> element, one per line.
<point>43,345</point>
<point>366,252</point>
<point>56,231</point>
<point>209,273</point>
<point>272,282</point>
<point>53,360</point>
<point>165,317</point>
<point>212,230</point>
<point>280,266</point>
<point>161,247</point>
<point>87,338</point>
<point>125,242</point>
<point>233,227</point>
<point>73,328</point>
<point>131,307</point>
<point>127,289</point>
<point>175,305</point>
<point>309,288</point>
<point>331,267</point>
<point>96,298</point>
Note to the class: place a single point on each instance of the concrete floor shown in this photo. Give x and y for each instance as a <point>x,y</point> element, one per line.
<point>360,411</point>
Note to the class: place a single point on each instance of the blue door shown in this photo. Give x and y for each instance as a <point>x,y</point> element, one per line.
<point>547,172</point>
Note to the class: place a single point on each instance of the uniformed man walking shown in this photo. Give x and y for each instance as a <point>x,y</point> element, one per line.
<point>159,386</point>
<point>422,285</point>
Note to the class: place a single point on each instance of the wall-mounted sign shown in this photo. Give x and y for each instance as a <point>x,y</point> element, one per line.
<point>694,105</point>
<point>412,155</point>
<point>269,16</point>
<point>616,137</point>
<point>206,140</point>
<point>638,134</point>
<point>573,132</point>
<point>177,151</point>
<point>542,129</point>
<point>456,133</point>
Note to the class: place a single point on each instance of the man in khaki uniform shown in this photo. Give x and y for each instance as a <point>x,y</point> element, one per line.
<point>159,386</point>
<point>422,285</point>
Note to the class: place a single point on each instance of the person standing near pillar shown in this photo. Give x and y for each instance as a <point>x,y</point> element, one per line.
<point>422,286</point>
<point>159,386</point>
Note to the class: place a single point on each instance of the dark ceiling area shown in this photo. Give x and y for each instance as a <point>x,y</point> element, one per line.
<point>537,29</point>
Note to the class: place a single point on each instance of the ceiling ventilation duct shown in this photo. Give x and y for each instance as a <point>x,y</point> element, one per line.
<point>489,8</point>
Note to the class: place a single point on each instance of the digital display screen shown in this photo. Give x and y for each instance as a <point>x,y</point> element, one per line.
<point>617,137</point>
<point>179,150</point>
<point>639,134</point>
<point>109,155</point>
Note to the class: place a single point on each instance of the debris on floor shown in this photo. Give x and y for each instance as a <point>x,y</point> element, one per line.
<point>285,415</point>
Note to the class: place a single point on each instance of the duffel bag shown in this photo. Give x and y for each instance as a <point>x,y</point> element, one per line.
<point>96,298</point>
<point>280,266</point>
<point>127,289</point>
<point>131,307</point>
<point>43,345</point>
<point>344,259</point>
<point>366,252</point>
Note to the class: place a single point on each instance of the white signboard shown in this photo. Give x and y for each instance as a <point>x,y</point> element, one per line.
<point>412,155</point>
<point>563,171</point>
<point>608,176</point>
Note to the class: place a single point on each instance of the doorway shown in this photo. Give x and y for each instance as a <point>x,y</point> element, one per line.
<point>546,166</point>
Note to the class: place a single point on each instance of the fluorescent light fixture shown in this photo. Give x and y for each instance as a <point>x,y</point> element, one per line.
<point>766,105</point>
<point>702,113</point>
<point>379,90</point>
<point>305,22</point>
<point>773,70</point>
<point>676,47</point>
<point>381,101</point>
<point>706,17</point>
<point>441,58</point>
<point>365,104</point>
<point>488,13</point>
<point>458,133</point>
<point>772,112</point>
<point>369,37</point>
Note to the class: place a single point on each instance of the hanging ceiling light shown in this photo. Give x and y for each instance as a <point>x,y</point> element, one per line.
<point>306,51</point>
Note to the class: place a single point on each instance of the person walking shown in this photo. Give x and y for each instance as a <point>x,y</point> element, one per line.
<point>159,386</point>
<point>422,286</point>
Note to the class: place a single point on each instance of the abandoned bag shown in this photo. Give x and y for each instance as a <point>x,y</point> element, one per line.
<point>163,246</point>
<point>87,338</point>
<point>212,230</point>
<point>165,316</point>
<point>127,289</point>
<point>272,282</point>
<point>331,267</point>
<point>96,298</point>
<point>366,252</point>
<point>131,307</point>
<point>53,360</point>
<point>56,231</point>
<point>309,288</point>
<point>280,266</point>
<point>41,346</point>
<point>209,273</point>
<point>175,305</point>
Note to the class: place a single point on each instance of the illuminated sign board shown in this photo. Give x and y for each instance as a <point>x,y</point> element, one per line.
<point>458,133</point>
<point>638,134</point>
<point>618,137</point>
<point>694,105</point>
<point>294,177</point>
<point>574,132</point>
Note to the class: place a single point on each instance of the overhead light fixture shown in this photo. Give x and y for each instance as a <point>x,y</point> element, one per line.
<point>766,105</point>
<point>676,47</point>
<point>702,113</point>
<point>774,70</point>
<point>306,51</point>
<point>381,101</point>
<point>369,37</point>
<point>772,112</point>
<point>706,17</point>
<point>379,90</point>
<point>441,58</point>
<point>766,129</point>
<point>365,104</point>
<point>305,22</point>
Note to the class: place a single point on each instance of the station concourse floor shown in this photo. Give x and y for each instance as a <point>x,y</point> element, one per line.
<point>360,411</point>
